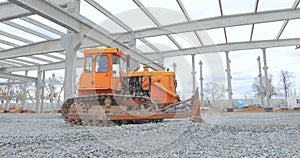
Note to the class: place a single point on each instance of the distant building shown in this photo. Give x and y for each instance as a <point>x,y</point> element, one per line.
<point>293,101</point>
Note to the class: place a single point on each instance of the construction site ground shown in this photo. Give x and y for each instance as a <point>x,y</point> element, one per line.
<point>237,134</point>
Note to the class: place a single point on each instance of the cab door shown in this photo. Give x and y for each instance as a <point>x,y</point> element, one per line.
<point>116,72</point>
<point>103,72</point>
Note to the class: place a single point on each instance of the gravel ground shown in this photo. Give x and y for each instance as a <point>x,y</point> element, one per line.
<point>231,135</point>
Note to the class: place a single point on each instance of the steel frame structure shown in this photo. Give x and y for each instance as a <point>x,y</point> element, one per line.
<point>58,11</point>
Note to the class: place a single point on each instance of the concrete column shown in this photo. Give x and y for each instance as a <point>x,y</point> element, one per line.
<point>201,82</point>
<point>38,91</point>
<point>8,96</point>
<point>261,83</point>
<point>193,73</point>
<point>266,77</point>
<point>43,91</point>
<point>228,70</point>
<point>24,95</point>
<point>71,43</point>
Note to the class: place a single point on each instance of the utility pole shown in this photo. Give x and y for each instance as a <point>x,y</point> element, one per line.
<point>201,81</point>
<point>261,82</point>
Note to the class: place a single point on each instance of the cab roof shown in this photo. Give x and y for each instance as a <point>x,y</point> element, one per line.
<point>104,51</point>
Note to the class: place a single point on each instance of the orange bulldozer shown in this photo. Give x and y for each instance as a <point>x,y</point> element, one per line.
<point>111,95</point>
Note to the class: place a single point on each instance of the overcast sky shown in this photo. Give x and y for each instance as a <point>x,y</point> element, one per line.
<point>244,64</point>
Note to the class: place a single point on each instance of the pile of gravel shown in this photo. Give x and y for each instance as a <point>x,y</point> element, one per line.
<point>232,135</point>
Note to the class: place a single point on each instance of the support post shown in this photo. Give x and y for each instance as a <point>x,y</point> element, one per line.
<point>193,73</point>
<point>266,77</point>
<point>201,82</point>
<point>8,95</point>
<point>71,43</point>
<point>228,70</point>
<point>261,93</point>
<point>23,101</point>
<point>43,91</point>
<point>38,91</point>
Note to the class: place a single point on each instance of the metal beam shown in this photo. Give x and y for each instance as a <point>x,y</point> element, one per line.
<point>222,14</point>
<point>156,22</point>
<point>72,22</point>
<point>255,11</point>
<point>8,43</point>
<point>13,83</point>
<point>26,61</point>
<point>188,19</point>
<point>108,14</point>
<point>17,77</point>
<point>214,23</point>
<point>228,47</point>
<point>295,5</point>
<point>160,60</point>
<point>46,27</point>
<point>40,59</point>
<point>19,63</point>
<point>15,37</point>
<point>20,27</point>
<point>188,51</point>
<point>37,48</point>
<point>44,47</point>
<point>46,67</point>
<point>7,63</point>
<point>50,11</point>
<point>54,57</point>
<point>10,11</point>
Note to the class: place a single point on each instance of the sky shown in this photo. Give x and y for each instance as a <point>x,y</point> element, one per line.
<point>244,65</point>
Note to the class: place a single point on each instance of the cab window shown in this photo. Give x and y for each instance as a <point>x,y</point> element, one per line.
<point>88,64</point>
<point>116,66</point>
<point>102,63</point>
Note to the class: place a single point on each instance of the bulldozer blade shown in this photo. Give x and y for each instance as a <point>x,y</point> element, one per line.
<point>195,114</point>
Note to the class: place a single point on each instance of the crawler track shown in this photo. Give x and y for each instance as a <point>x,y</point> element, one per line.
<point>108,110</point>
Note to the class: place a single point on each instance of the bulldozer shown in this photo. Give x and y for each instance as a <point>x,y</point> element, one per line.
<point>109,94</point>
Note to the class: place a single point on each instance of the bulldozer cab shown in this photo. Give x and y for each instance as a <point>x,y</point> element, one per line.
<point>101,71</point>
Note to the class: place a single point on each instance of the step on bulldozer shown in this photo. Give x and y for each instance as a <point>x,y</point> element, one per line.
<point>109,94</point>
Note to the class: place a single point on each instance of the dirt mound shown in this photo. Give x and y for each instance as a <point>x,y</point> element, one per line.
<point>252,109</point>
